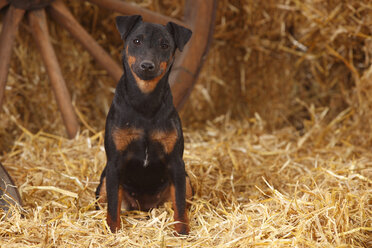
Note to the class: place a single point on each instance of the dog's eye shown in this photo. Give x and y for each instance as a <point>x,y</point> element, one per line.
<point>164,46</point>
<point>136,41</point>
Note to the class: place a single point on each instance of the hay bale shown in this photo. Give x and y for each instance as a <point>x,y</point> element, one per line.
<point>268,54</point>
<point>277,133</point>
<point>253,188</point>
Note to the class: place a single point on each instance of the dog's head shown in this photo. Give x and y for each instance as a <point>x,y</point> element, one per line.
<point>149,48</point>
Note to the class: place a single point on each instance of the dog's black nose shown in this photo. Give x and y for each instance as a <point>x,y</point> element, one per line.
<point>147,65</point>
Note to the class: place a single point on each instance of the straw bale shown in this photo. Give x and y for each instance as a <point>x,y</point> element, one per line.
<point>253,188</point>
<point>277,133</point>
<point>268,54</point>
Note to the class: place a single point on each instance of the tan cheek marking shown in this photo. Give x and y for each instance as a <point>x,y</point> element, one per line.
<point>163,65</point>
<point>167,139</point>
<point>131,61</point>
<point>123,137</point>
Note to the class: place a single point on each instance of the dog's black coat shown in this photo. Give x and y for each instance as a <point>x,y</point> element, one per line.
<point>143,136</point>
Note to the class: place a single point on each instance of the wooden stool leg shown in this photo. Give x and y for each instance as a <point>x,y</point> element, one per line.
<point>8,32</point>
<point>62,15</point>
<point>38,24</point>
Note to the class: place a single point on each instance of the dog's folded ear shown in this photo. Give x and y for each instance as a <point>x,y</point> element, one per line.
<point>125,24</point>
<point>181,35</point>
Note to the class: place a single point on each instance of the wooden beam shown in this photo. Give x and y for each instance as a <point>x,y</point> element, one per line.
<point>126,8</point>
<point>3,3</point>
<point>11,22</point>
<point>63,16</point>
<point>38,24</point>
<point>200,15</point>
<point>29,4</point>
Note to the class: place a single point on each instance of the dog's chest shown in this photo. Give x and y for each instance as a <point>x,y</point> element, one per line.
<point>145,157</point>
<point>145,146</point>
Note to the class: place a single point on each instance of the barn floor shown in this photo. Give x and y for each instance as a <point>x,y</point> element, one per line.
<point>277,132</point>
<point>253,189</point>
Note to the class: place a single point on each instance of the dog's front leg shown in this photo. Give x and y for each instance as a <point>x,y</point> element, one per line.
<point>114,197</point>
<point>178,196</point>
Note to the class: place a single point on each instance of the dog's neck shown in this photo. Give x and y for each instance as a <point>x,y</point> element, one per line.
<point>147,104</point>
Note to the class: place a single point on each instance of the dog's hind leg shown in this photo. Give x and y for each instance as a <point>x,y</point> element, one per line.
<point>101,195</point>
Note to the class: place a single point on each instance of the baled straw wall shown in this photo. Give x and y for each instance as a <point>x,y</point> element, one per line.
<point>277,133</point>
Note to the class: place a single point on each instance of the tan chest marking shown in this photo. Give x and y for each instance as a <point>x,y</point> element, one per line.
<point>124,136</point>
<point>146,86</point>
<point>168,139</point>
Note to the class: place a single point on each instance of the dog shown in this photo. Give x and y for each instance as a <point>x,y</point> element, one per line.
<point>143,134</point>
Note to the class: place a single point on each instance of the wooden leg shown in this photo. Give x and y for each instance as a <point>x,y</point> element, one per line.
<point>38,24</point>
<point>131,9</point>
<point>188,64</point>
<point>62,15</point>
<point>8,32</point>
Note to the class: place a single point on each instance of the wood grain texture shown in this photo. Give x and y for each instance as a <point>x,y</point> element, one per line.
<point>60,13</point>
<point>200,15</point>
<point>126,8</point>
<point>29,4</point>
<point>38,24</point>
<point>11,22</point>
<point>9,194</point>
<point>3,3</point>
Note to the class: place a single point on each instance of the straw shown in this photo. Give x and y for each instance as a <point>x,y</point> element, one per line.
<point>277,133</point>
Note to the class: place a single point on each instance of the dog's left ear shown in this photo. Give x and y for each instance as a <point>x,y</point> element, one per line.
<point>181,35</point>
<point>125,24</point>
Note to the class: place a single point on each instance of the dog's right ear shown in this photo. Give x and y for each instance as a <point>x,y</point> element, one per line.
<point>125,24</point>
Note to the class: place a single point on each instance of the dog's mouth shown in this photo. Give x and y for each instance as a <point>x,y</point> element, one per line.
<point>148,70</point>
<point>146,75</point>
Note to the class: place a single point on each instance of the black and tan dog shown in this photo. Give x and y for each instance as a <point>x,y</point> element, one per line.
<point>143,136</point>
